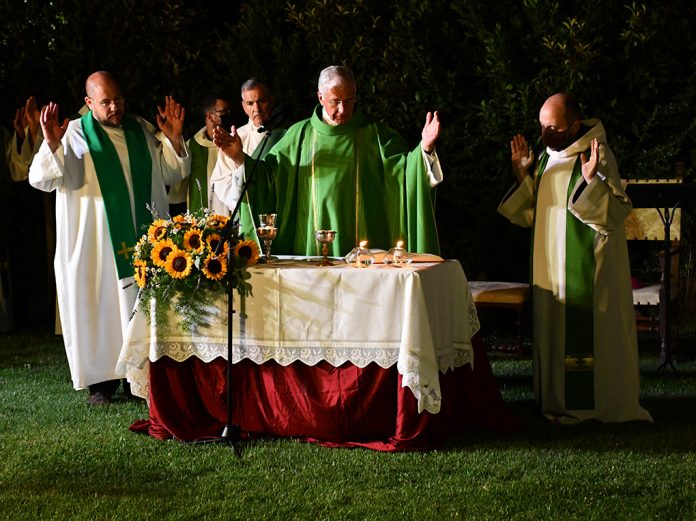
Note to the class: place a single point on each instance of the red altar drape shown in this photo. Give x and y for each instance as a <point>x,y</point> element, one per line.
<point>344,406</point>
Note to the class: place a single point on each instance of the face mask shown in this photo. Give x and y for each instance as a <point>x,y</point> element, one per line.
<point>554,139</point>
<point>226,121</point>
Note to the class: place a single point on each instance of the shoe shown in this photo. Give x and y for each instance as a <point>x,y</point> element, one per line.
<point>98,399</point>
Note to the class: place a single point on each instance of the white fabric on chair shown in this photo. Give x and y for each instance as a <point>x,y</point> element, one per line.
<point>647,295</point>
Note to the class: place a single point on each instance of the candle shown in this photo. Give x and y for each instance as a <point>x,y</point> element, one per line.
<point>361,255</point>
<point>357,256</point>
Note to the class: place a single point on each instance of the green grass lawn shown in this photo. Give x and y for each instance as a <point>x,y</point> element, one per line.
<point>60,459</point>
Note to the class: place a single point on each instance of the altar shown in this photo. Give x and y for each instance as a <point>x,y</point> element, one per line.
<point>380,357</point>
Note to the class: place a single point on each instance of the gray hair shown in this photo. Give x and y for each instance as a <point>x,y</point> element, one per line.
<point>253,83</point>
<point>335,75</point>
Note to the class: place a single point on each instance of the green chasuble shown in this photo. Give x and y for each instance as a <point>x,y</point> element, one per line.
<point>359,179</point>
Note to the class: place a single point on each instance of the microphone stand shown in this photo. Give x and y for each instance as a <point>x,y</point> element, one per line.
<point>230,234</point>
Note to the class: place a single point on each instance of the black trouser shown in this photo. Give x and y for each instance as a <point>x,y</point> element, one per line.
<point>106,388</point>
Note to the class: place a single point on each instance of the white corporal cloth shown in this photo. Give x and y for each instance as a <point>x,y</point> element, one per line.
<point>420,317</point>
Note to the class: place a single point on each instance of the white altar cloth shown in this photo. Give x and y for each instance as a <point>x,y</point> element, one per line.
<point>420,317</point>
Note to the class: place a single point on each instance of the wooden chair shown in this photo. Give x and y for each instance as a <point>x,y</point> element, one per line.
<point>510,295</point>
<point>657,297</point>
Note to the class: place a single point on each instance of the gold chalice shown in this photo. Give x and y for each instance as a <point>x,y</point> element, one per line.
<point>325,237</point>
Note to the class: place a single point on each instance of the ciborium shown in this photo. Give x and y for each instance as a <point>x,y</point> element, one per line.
<point>325,237</point>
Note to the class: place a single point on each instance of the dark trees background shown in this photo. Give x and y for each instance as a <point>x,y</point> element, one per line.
<point>486,66</point>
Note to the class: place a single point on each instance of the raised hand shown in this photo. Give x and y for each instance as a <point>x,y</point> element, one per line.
<point>589,166</point>
<point>19,123</point>
<point>33,117</point>
<point>229,143</point>
<point>53,130</point>
<point>522,157</point>
<point>431,131</point>
<point>170,121</point>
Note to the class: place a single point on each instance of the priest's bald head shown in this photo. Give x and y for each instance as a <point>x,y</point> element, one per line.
<point>336,93</point>
<point>104,98</point>
<point>560,120</point>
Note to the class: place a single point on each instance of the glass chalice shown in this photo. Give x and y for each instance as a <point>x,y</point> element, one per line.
<point>325,237</point>
<point>267,231</point>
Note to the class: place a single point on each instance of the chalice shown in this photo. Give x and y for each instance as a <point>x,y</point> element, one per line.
<point>325,237</point>
<point>267,231</point>
<point>267,219</point>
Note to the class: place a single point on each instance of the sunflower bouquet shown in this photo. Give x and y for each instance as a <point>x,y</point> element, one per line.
<point>180,264</point>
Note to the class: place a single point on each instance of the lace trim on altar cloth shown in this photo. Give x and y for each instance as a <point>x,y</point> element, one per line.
<point>384,356</point>
<point>426,389</point>
<point>474,324</point>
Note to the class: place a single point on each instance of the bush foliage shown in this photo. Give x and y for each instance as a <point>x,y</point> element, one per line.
<point>486,66</point>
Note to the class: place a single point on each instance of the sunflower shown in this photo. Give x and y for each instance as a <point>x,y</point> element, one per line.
<point>249,250</point>
<point>181,222</point>
<point>157,230</point>
<point>217,221</point>
<point>213,240</point>
<point>140,273</point>
<point>178,264</point>
<point>193,240</point>
<point>214,267</point>
<point>161,250</point>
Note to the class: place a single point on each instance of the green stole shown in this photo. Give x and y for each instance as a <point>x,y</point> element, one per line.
<point>114,189</point>
<point>579,306</point>
<point>198,183</point>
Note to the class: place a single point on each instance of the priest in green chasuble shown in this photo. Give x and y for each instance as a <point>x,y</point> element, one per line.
<point>338,170</point>
<point>104,167</point>
<point>584,337</point>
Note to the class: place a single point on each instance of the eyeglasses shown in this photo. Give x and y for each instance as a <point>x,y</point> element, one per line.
<point>219,113</point>
<point>333,103</point>
<point>106,103</point>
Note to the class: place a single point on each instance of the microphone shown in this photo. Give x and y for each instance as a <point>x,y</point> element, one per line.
<point>274,120</point>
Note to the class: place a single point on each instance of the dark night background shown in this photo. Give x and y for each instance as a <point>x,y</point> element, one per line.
<point>486,66</point>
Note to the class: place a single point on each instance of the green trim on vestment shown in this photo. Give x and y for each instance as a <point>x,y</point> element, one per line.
<point>579,312</point>
<point>579,330</point>
<point>113,187</point>
<point>198,191</point>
